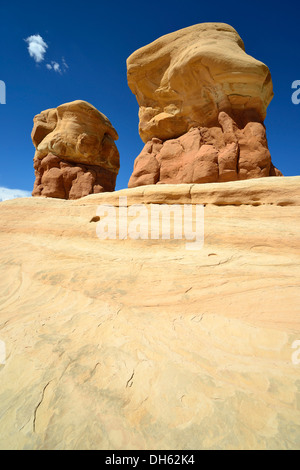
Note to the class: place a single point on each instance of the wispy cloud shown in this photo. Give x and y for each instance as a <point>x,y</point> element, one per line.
<point>6,193</point>
<point>36,47</point>
<point>64,63</point>
<point>56,67</point>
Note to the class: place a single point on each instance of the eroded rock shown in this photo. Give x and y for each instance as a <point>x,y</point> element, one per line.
<point>206,155</point>
<point>203,100</point>
<point>75,152</point>
<point>184,79</point>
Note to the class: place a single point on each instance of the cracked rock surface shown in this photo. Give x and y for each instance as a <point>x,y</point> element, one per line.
<point>142,344</point>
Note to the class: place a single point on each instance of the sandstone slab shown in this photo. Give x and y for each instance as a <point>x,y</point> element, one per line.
<point>142,344</point>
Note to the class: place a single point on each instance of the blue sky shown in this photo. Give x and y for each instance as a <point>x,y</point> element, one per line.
<point>90,42</point>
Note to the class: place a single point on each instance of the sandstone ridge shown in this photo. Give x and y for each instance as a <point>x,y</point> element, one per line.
<point>254,192</point>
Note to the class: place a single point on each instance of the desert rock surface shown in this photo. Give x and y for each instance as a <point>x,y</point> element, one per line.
<point>142,344</point>
<point>75,151</point>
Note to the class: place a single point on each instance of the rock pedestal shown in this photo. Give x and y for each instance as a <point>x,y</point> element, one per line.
<point>203,102</point>
<point>206,155</point>
<point>75,152</point>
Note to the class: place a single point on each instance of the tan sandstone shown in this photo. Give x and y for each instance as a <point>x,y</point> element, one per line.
<point>143,344</point>
<point>184,79</point>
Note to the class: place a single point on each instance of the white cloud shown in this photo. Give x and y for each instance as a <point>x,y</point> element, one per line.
<point>36,47</point>
<point>6,193</point>
<point>56,67</point>
<point>64,63</point>
<point>59,68</point>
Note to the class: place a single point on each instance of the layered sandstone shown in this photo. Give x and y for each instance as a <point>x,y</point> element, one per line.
<point>142,344</point>
<point>184,79</point>
<point>75,152</point>
<point>202,102</point>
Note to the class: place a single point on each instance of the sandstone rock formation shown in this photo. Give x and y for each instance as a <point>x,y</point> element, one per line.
<point>75,152</point>
<point>206,155</point>
<point>198,85</point>
<point>142,344</point>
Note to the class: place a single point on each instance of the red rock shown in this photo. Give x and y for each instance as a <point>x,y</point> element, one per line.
<point>206,155</point>
<point>65,180</point>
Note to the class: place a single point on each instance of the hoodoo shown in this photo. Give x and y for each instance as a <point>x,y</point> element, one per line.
<point>203,102</point>
<point>75,152</point>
